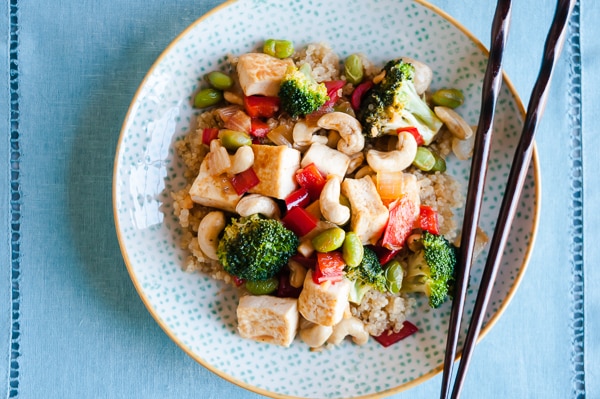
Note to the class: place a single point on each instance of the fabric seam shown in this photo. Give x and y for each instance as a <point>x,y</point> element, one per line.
<point>15,201</point>
<point>576,208</point>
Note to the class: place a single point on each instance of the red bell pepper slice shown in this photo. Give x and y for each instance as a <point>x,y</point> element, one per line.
<point>400,224</point>
<point>209,134</point>
<point>428,220</point>
<point>299,197</point>
<point>389,337</point>
<point>299,221</point>
<point>415,133</point>
<point>311,179</point>
<point>244,181</point>
<point>285,289</point>
<point>259,128</point>
<point>261,106</point>
<point>359,92</point>
<point>330,267</point>
<point>333,91</point>
<point>384,254</point>
<point>238,281</point>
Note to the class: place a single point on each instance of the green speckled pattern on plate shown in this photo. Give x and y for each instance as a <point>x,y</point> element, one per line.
<point>199,313</point>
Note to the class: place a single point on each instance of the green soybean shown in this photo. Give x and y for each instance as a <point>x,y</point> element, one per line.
<point>353,69</point>
<point>262,287</point>
<point>219,80</point>
<point>329,240</point>
<point>393,275</point>
<point>207,98</point>
<point>232,139</point>
<point>440,163</point>
<point>424,160</point>
<point>450,98</point>
<point>278,48</point>
<point>352,249</point>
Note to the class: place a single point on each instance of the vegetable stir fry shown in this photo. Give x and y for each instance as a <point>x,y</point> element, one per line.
<point>318,186</point>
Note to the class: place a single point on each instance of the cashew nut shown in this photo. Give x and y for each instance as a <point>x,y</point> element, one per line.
<point>329,202</point>
<point>463,149</point>
<point>256,203</point>
<point>208,233</point>
<point>303,133</point>
<point>349,128</point>
<point>241,160</point>
<point>454,122</point>
<point>350,326</point>
<point>364,171</point>
<point>297,274</point>
<point>397,160</point>
<point>315,335</point>
<point>356,160</point>
<point>423,75</point>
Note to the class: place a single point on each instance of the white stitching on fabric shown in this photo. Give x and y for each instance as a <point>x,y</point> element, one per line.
<point>15,202</point>
<point>576,209</point>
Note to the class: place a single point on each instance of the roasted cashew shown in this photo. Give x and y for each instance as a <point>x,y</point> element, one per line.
<point>349,128</point>
<point>454,122</point>
<point>297,273</point>
<point>364,171</point>
<point>208,233</point>
<point>356,160</point>
<point>241,160</point>
<point>303,134</point>
<point>423,75</point>
<point>397,160</point>
<point>315,335</point>
<point>255,203</point>
<point>329,202</point>
<point>350,326</point>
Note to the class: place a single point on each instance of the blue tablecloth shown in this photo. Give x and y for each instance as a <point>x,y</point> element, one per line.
<point>71,323</point>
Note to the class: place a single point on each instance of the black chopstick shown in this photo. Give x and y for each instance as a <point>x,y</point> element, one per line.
<point>492,83</point>
<point>518,173</point>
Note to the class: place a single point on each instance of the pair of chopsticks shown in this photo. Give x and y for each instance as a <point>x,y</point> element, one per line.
<point>518,173</point>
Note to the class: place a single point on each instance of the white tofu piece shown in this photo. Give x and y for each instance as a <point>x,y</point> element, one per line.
<point>261,74</point>
<point>268,319</point>
<point>327,160</point>
<point>213,191</point>
<point>275,167</point>
<point>369,215</point>
<point>325,303</point>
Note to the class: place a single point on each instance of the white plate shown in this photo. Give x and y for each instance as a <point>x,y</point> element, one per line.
<point>199,313</point>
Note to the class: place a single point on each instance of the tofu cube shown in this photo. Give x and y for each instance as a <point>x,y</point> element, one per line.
<point>213,191</point>
<point>325,303</point>
<point>275,167</point>
<point>268,319</point>
<point>327,160</point>
<point>369,214</point>
<point>261,74</point>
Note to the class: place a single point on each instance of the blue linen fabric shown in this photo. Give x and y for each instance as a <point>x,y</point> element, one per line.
<point>71,323</point>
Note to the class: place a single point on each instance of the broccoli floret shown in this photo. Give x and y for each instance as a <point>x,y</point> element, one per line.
<point>367,275</point>
<point>299,93</point>
<point>254,248</point>
<point>431,269</point>
<point>393,103</point>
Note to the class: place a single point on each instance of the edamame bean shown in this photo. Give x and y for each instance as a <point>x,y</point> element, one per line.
<point>440,163</point>
<point>329,240</point>
<point>232,139</point>
<point>219,80</point>
<point>353,69</point>
<point>207,98</point>
<point>278,48</point>
<point>424,160</point>
<point>352,249</point>
<point>393,275</point>
<point>263,287</point>
<point>450,98</point>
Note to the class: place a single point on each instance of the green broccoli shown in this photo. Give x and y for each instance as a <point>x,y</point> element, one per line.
<point>431,269</point>
<point>393,103</point>
<point>367,275</point>
<point>254,248</point>
<point>299,93</point>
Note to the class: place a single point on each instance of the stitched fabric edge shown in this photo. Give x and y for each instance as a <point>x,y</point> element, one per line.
<point>15,201</point>
<point>576,211</point>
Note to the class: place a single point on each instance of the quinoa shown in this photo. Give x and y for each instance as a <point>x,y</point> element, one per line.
<point>383,311</point>
<point>324,62</point>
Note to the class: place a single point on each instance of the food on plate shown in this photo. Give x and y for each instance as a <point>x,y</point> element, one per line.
<point>318,186</point>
